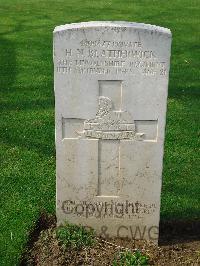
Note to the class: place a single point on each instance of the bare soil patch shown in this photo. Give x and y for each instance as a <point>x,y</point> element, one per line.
<point>179,244</point>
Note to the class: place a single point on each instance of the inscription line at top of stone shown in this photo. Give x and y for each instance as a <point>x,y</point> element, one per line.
<point>115,24</point>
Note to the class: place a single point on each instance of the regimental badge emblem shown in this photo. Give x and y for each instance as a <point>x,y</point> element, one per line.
<point>109,124</point>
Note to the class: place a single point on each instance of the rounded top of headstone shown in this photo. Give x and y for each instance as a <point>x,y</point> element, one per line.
<point>122,24</point>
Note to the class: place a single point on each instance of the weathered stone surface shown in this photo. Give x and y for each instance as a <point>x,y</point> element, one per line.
<point>111,81</point>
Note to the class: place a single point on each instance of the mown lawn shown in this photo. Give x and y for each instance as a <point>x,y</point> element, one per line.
<point>27,107</point>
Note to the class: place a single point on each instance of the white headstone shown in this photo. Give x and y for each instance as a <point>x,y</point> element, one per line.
<point>111,83</point>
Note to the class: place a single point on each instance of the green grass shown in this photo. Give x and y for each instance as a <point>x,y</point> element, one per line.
<point>128,258</point>
<point>27,149</point>
<point>74,236</point>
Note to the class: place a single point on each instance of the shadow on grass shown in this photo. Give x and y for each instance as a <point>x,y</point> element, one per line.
<point>182,92</point>
<point>8,64</point>
<point>175,231</point>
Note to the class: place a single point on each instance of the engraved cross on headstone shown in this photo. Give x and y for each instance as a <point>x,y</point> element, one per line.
<point>110,126</point>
